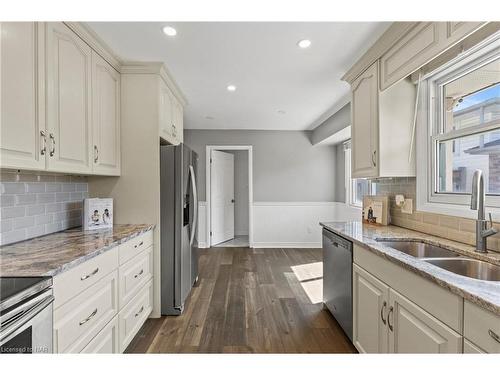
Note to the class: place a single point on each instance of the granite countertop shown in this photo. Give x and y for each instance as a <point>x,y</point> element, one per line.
<point>483,293</point>
<point>58,252</point>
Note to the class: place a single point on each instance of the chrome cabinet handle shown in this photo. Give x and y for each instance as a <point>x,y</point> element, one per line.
<point>138,274</point>
<point>96,154</point>
<point>374,157</point>
<point>140,244</point>
<point>138,312</point>
<point>44,137</point>
<point>90,274</point>
<point>494,336</point>
<point>88,317</point>
<point>382,313</point>
<point>391,310</point>
<point>53,139</point>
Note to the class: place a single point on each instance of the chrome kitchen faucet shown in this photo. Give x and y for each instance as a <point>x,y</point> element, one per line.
<point>477,203</point>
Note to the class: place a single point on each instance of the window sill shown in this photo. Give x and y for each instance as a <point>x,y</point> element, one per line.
<point>456,210</point>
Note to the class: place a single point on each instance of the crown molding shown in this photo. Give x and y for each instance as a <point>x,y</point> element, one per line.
<point>138,67</point>
<point>96,43</point>
<point>382,45</point>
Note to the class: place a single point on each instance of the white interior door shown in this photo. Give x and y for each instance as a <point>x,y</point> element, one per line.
<point>221,197</point>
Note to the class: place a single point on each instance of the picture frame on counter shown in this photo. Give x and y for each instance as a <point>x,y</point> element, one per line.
<point>97,213</point>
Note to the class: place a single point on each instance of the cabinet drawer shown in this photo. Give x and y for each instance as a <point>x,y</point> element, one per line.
<point>82,318</point>
<point>133,316</point>
<point>131,248</point>
<point>133,275</point>
<point>470,348</point>
<point>106,341</point>
<point>482,328</point>
<point>70,283</point>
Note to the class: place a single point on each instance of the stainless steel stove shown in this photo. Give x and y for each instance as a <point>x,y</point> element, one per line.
<point>26,315</point>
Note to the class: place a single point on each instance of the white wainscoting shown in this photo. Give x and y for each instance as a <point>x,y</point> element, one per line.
<point>288,224</point>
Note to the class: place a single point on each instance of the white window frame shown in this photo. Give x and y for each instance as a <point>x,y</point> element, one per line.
<point>348,180</point>
<point>430,118</point>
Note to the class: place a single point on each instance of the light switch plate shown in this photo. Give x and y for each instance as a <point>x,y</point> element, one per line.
<point>407,206</point>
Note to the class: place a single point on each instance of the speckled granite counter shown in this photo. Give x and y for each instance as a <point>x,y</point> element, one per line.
<point>483,293</point>
<point>58,252</point>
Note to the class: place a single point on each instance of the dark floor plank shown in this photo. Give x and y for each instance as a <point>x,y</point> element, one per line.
<point>247,301</point>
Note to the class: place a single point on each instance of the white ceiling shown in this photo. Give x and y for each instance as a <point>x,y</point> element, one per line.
<point>262,59</point>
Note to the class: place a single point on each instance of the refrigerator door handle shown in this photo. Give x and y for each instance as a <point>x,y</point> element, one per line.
<point>195,198</point>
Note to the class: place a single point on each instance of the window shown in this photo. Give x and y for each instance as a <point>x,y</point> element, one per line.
<point>460,130</point>
<point>355,188</point>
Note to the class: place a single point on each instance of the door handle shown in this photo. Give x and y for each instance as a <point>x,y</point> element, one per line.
<point>53,139</point>
<point>374,157</point>
<point>232,200</point>
<point>195,198</point>
<point>382,313</point>
<point>391,310</point>
<point>90,274</point>
<point>96,154</point>
<point>494,336</point>
<point>44,137</point>
<point>88,318</point>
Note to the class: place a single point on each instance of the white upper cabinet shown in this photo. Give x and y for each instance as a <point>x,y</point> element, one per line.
<point>171,115</point>
<point>22,117</point>
<point>105,117</point>
<point>69,114</point>
<point>364,107</point>
<point>382,123</point>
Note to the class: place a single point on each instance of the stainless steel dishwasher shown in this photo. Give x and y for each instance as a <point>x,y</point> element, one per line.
<point>337,279</point>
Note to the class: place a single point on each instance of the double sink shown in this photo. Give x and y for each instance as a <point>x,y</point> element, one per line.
<point>446,259</point>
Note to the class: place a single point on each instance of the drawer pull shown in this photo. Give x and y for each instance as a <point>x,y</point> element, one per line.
<point>90,274</point>
<point>88,318</point>
<point>138,274</point>
<point>140,244</point>
<point>138,312</point>
<point>494,336</point>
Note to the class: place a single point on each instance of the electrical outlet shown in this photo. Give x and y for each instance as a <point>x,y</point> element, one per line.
<point>407,207</point>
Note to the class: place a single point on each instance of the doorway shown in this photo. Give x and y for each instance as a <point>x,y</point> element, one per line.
<point>229,196</point>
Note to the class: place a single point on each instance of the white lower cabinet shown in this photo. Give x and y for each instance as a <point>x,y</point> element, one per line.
<point>99,305</point>
<point>413,330</point>
<point>387,322</point>
<point>370,306</point>
<point>470,348</point>
<point>481,328</point>
<point>106,341</point>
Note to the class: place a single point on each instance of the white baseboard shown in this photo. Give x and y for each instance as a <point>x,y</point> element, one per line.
<point>202,245</point>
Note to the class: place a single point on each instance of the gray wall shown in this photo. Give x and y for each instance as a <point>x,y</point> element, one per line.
<point>286,168</point>
<point>240,192</point>
<point>340,175</point>
<point>338,121</point>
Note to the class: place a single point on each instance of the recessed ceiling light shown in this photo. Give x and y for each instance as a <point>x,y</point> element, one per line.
<point>281,112</point>
<point>209,117</point>
<point>304,43</point>
<point>231,88</point>
<point>170,31</point>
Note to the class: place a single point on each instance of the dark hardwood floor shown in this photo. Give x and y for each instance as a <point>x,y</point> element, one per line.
<point>249,301</point>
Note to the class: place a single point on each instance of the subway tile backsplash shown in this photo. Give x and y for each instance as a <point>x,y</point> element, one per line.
<point>33,205</point>
<point>450,227</point>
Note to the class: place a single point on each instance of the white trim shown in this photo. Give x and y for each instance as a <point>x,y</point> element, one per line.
<point>250,187</point>
<point>427,200</point>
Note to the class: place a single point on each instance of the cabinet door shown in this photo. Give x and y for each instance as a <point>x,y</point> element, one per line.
<point>106,117</point>
<point>470,348</point>
<point>69,62</point>
<point>165,111</point>
<point>364,107</point>
<point>413,330</point>
<point>106,341</point>
<point>176,120</point>
<point>370,307</point>
<point>458,30</point>
<point>22,117</point>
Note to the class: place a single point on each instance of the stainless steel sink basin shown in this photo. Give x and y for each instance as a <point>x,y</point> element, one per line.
<point>473,268</point>
<point>419,249</point>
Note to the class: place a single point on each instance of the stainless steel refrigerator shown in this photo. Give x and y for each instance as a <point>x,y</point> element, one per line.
<point>179,216</point>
